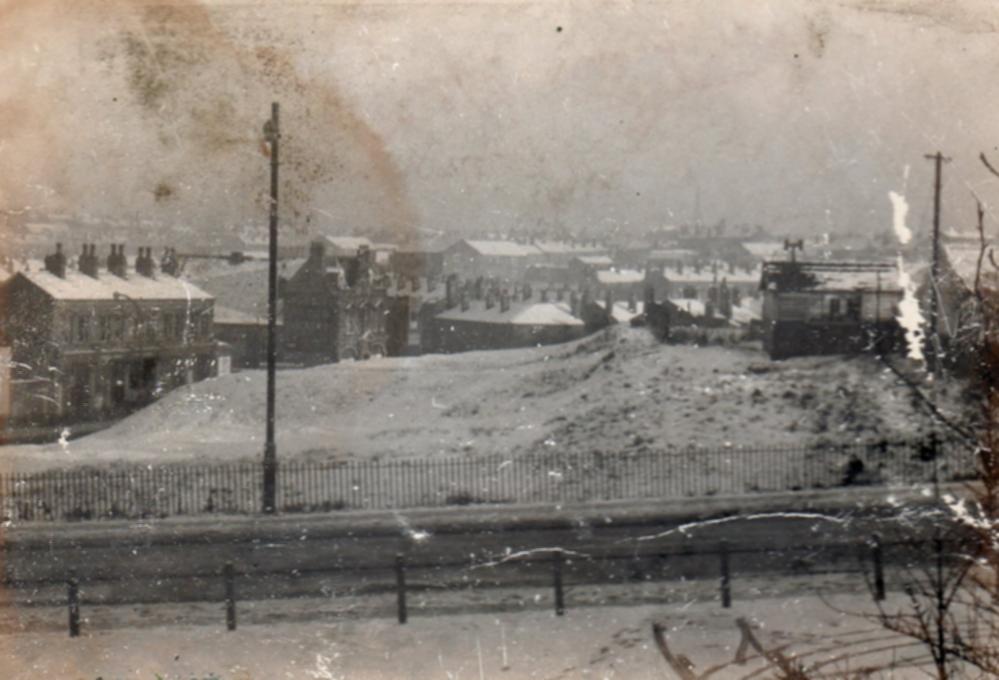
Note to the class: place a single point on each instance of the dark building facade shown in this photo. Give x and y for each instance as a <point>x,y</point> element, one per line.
<point>830,308</point>
<point>340,310</point>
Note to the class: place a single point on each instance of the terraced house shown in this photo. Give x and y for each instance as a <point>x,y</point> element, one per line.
<point>91,343</point>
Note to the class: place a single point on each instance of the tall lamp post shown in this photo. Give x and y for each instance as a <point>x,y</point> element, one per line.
<point>272,135</point>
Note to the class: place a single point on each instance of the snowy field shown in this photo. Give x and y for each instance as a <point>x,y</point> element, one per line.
<point>618,391</point>
<point>305,639</point>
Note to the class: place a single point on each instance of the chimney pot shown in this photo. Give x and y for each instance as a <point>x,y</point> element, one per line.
<point>56,263</point>
<point>117,262</point>
<point>87,262</point>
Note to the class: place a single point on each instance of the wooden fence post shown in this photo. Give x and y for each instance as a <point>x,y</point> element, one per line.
<point>229,575</point>
<point>73,598</point>
<point>879,569</point>
<point>558,560</point>
<point>400,583</point>
<point>726,575</point>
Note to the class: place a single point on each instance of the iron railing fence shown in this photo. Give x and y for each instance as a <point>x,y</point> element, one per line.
<point>144,491</point>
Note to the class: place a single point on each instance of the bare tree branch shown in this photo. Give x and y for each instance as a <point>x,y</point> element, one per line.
<point>985,162</point>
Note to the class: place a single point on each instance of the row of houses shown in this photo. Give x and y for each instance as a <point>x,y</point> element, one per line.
<point>93,337</point>
<point>97,337</point>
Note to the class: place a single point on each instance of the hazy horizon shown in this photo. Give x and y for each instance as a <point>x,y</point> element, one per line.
<point>594,118</point>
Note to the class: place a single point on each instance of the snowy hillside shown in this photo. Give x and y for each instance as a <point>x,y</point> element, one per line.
<point>616,391</point>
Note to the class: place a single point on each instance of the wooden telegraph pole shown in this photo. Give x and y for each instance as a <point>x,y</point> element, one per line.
<point>938,160</point>
<point>272,135</point>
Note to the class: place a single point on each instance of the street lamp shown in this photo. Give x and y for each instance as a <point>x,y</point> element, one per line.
<point>272,135</point>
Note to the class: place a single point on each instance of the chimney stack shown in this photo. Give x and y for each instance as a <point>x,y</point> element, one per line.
<point>144,263</point>
<point>169,264</point>
<point>88,260</point>
<point>56,263</point>
<point>317,254</point>
<point>117,262</point>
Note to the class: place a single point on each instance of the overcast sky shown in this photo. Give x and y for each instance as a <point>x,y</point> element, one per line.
<point>593,116</point>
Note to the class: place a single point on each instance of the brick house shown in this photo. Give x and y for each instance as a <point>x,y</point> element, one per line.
<point>89,343</point>
<point>334,312</point>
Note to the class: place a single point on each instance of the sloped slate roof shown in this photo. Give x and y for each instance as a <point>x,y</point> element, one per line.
<point>78,286</point>
<point>521,314</point>
<point>503,248</point>
<point>597,260</point>
<point>567,247</point>
<point>620,311</point>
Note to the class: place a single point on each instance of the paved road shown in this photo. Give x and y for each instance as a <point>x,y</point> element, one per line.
<point>319,556</point>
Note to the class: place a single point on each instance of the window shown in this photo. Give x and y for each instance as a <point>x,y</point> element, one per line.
<point>853,308</point>
<point>104,328</point>
<point>81,328</point>
<point>204,325</point>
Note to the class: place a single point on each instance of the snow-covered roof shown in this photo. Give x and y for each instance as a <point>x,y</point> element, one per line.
<point>832,276</point>
<point>596,260</point>
<point>502,248</point>
<point>619,276</point>
<point>79,286</point>
<point>519,313</point>
<point>620,311</point>
<point>886,281</point>
<point>765,250</point>
<point>709,275</point>
<point>348,244</point>
<point>567,247</point>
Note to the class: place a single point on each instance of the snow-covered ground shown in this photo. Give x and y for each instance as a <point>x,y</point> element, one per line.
<point>824,633</point>
<point>616,391</point>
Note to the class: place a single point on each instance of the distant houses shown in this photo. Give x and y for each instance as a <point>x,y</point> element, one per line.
<point>483,315</point>
<point>505,260</point>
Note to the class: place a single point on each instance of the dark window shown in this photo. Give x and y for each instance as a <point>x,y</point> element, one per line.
<point>82,328</point>
<point>104,328</point>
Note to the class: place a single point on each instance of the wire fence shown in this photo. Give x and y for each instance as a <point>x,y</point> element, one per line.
<point>148,491</point>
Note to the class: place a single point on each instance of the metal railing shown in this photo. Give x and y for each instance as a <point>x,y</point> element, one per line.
<point>146,491</point>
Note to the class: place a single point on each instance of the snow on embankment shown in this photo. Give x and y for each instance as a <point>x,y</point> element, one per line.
<point>615,391</point>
